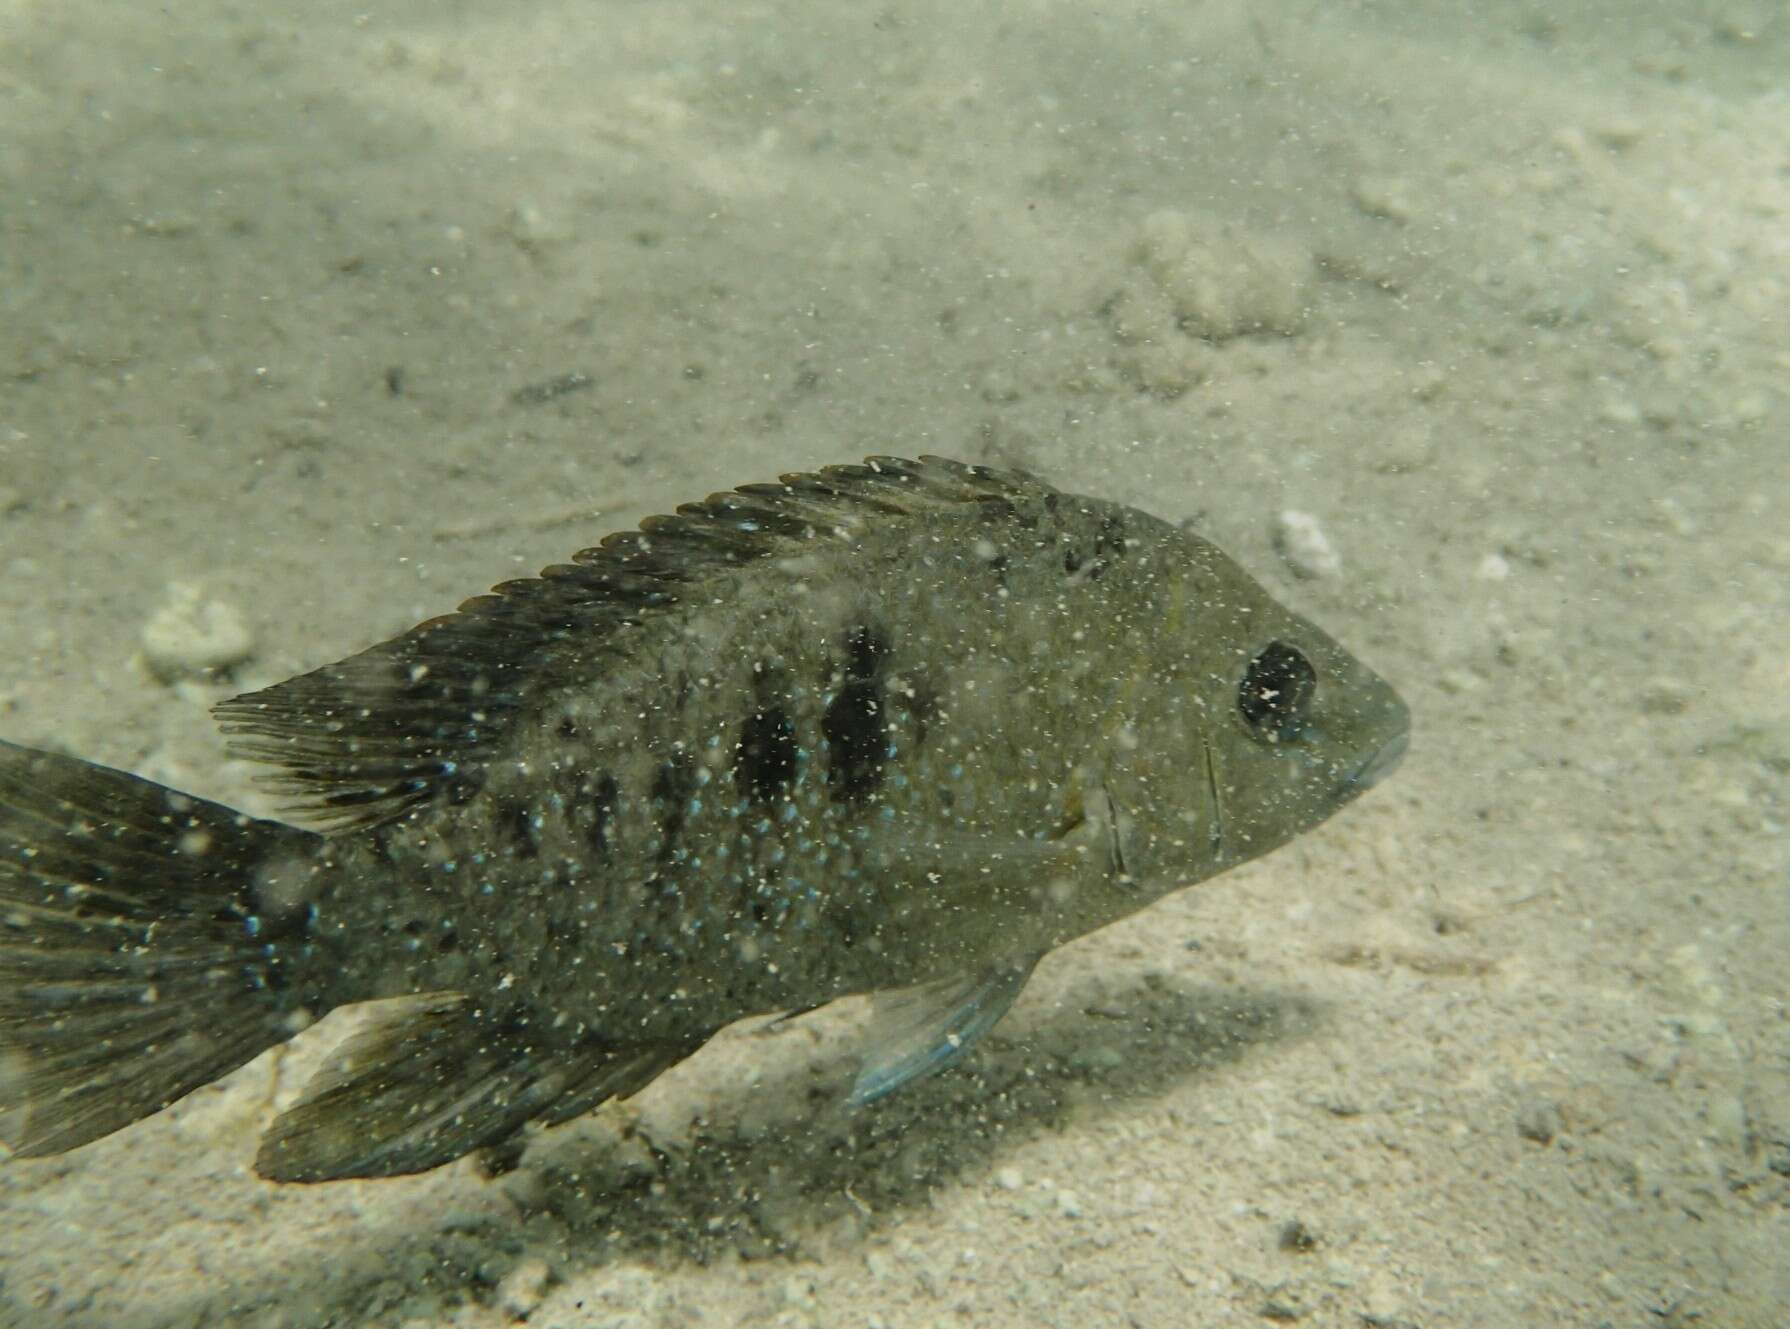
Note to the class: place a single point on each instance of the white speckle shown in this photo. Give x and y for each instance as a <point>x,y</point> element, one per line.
<point>507,982</point>
<point>1305,547</point>
<point>1068,1204</point>
<point>1009,1179</point>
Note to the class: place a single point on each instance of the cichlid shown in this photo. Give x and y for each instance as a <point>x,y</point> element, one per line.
<point>898,728</point>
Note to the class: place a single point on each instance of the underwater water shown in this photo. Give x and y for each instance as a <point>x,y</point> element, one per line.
<point>1463,332</point>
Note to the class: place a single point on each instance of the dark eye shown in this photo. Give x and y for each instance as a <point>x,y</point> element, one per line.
<point>1276,691</point>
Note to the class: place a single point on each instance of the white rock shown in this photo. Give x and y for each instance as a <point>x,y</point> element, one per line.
<point>1220,280</point>
<point>192,636</point>
<point>1305,547</point>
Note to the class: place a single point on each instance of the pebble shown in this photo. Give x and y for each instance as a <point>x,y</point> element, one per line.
<point>191,636</point>
<point>1539,1121</point>
<point>1494,567</point>
<point>1009,1179</point>
<point>523,1288</point>
<point>1387,198</point>
<point>1068,1204</point>
<point>1220,281</point>
<point>1666,696</point>
<point>1302,543</point>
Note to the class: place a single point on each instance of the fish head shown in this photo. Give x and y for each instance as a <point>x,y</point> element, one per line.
<point>1248,725</point>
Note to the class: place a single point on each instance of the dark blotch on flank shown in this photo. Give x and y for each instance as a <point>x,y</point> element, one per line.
<point>865,650</point>
<point>518,823</point>
<point>764,761</point>
<point>672,788</point>
<point>856,725</point>
<point>603,797</point>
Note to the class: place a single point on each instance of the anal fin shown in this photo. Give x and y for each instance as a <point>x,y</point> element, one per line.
<point>425,1082</point>
<point>429,1080</point>
<point>620,1072</point>
<point>918,1031</point>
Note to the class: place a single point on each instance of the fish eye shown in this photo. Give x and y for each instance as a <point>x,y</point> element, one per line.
<point>1276,691</point>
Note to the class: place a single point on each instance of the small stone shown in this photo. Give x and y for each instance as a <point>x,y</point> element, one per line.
<point>1385,197</point>
<point>1098,1058</point>
<point>796,1292</point>
<point>1009,1179</point>
<point>531,228</point>
<point>190,636</point>
<point>1296,1237</point>
<point>1459,681</point>
<point>1221,282</point>
<point>1666,696</point>
<point>1068,1204</point>
<point>523,1288</point>
<point>1305,547</point>
<point>1539,1121</point>
<point>1494,567</point>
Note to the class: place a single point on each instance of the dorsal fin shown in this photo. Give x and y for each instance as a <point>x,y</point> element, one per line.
<point>364,740</point>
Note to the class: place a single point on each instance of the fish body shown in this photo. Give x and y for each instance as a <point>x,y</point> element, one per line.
<point>898,728</point>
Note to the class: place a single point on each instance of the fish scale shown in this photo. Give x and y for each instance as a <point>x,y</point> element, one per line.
<point>899,728</point>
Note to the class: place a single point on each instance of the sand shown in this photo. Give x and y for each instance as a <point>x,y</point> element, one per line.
<point>316,319</point>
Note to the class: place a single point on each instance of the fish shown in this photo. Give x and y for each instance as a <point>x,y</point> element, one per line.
<point>898,728</point>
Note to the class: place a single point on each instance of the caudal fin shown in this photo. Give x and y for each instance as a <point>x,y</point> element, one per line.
<point>133,968</point>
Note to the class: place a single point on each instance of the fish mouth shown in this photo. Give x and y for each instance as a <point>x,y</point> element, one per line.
<point>1381,762</point>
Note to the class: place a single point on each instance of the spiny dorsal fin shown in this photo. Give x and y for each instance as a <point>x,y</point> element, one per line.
<point>365,740</point>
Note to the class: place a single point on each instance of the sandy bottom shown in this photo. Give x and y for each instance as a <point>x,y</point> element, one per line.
<point>343,319</point>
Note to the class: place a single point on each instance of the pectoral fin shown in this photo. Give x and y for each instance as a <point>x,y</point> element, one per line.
<point>919,1030</point>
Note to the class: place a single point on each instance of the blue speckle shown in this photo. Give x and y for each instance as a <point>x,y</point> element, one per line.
<point>694,809</point>
<point>252,925</point>
<point>789,812</point>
